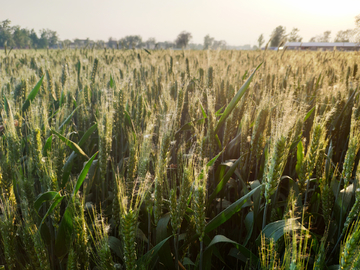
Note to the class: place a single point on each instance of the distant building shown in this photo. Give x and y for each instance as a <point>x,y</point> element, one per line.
<point>323,46</point>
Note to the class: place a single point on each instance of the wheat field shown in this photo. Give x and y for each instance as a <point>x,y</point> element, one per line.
<point>137,159</point>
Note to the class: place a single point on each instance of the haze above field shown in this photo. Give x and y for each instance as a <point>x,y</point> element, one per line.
<point>236,22</point>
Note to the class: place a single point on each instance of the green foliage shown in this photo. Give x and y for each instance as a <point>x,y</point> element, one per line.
<point>173,162</point>
<point>18,37</point>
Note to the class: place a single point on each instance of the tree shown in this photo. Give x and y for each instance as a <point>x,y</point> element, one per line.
<point>15,36</point>
<point>326,36</point>
<point>66,43</point>
<point>21,37</point>
<point>278,36</point>
<point>150,43</point>
<point>211,43</point>
<point>293,36</point>
<point>356,33</point>
<point>219,44</point>
<point>344,36</point>
<point>131,42</point>
<point>47,38</point>
<point>183,39</point>
<point>208,42</point>
<point>111,42</point>
<point>33,38</point>
<point>6,34</point>
<point>100,44</point>
<point>43,41</point>
<point>261,41</point>
<point>322,38</point>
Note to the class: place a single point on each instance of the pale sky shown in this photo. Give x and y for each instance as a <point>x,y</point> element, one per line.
<point>237,22</point>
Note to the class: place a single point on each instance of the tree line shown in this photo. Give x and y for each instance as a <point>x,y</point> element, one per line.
<point>21,38</point>
<point>17,37</point>
<point>279,36</point>
<point>182,41</point>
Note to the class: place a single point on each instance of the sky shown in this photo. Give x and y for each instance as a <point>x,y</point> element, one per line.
<point>237,22</point>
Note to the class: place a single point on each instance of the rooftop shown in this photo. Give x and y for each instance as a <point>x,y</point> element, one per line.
<point>321,44</point>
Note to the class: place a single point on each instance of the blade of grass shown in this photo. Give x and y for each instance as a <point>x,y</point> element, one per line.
<point>227,213</point>
<point>75,147</point>
<point>83,174</point>
<point>70,161</point>
<point>43,197</point>
<point>67,120</point>
<point>224,180</point>
<point>235,100</point>
<point>32,95</point>
<point>52,207</point>
<point>47,146</point>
